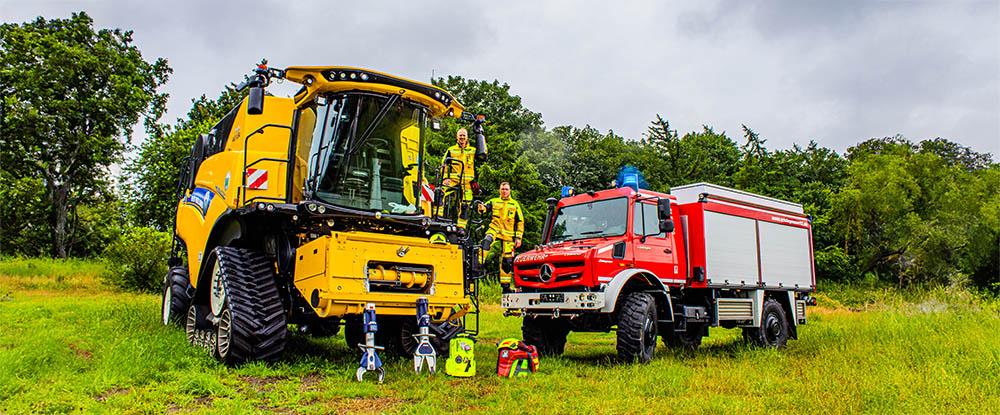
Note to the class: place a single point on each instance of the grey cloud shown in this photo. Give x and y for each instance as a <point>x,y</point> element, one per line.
<point>837,72</point>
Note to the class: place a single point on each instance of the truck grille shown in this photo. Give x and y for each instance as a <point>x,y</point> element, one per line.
<point>562,271</point>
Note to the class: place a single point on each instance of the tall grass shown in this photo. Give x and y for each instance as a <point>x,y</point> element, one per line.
<point>106,352</point>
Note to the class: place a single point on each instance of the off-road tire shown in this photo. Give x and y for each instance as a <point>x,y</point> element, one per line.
<point>637,328</point>
<point>354,334</point>
<point>685,340</point>
<point>387,336</point>
<point>773,331</point>
<point>253,322</point>
<point>175,296</point>
<point>408,343</point>
<point>547,334</point>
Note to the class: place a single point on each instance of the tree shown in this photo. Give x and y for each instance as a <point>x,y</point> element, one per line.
<point>70,98</point>
<point>152,176</point>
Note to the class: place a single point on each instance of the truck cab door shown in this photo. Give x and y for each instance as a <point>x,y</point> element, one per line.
<point>655,252</point>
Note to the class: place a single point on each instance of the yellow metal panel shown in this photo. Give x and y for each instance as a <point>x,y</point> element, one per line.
<point>342,287</point>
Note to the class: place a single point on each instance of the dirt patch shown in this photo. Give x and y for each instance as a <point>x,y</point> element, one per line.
<point>309,382</point>
<point>367,405</point>
<point>200,403</point>
<point>79,351</point>
<point>103,396</point>
<point>262,384</point>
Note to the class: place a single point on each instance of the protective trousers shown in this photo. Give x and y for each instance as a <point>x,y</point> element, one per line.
<point>507,253</point>
<point>450,199</point>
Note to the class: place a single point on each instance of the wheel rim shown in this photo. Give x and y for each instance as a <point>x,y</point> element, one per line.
<point>648,336</point>
<point>191,324</point>
<point>772,329</point>
<point>167,292</point>
<point>218,292</point>
<point>222,337</point>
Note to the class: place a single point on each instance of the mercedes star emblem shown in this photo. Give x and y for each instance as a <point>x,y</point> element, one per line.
<point>545,274</point>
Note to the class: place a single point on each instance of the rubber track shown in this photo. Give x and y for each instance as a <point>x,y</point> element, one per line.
<point>630,322</point>
<point>177,277</point>
<point>259,321</point>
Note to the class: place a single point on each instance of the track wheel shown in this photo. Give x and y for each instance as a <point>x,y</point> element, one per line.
<point>251,320</point>
<point>637,328</point>
<point>547,334</point>
<point>773,331</point>
<point>175,296</point>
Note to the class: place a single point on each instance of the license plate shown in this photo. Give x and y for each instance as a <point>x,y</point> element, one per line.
<point>551,298</point>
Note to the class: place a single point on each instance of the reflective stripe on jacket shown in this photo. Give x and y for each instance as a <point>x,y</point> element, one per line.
<point>466,156</point>
<point>508,219</point>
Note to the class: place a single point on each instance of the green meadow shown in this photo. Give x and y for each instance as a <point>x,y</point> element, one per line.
<point>69,344</point>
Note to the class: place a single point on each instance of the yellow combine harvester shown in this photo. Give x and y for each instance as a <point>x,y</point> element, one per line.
<point>301,210</point>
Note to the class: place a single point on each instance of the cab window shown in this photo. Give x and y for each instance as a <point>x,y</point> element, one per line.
<point>645,219</point>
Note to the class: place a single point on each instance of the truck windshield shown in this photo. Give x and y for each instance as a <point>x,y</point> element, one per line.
<point>375,171</point>
<point>590,220</point>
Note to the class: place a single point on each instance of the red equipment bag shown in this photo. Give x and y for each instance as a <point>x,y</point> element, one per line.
<point>516,358</point>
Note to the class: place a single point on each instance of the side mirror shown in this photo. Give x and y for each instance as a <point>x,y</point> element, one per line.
<point>666,226</point>
<point>255,101</point>
<point>663,210</point>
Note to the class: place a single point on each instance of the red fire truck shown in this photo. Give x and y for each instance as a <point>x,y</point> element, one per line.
<point>648,264</point>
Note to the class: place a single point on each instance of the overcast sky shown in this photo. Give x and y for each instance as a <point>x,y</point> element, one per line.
<point>837,72</point>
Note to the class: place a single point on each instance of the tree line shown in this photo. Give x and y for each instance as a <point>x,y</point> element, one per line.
<point>889,208</point>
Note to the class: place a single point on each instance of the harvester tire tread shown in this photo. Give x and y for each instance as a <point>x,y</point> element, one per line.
<point>257,318</point>
<point>176,306</point>
<point>637,328</point>
<point>547,334</point>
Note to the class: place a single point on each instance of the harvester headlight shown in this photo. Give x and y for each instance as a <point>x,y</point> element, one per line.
<point>321,209</point>
<point>329,222</point>
<point>364,77</point>
<point>260,206</point>
<point>343,75</point>
<point>270,207</point>
<point>354,75</point>
<point>311,207</point>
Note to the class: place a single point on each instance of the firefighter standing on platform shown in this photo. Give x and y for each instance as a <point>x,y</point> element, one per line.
<point>507,228</point>
<point>462,175</point>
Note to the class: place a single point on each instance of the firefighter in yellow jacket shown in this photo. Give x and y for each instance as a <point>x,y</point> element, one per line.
<point>462,175</point>
<point>507,228</point>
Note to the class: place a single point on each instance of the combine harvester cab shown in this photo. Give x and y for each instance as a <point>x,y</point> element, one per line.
<point>648,264</point>
<point>303,210</point>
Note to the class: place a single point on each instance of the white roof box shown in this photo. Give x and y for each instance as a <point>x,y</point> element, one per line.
<point>692,192</point>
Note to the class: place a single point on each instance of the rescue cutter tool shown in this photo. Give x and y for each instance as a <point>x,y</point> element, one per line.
<point>424,352</point>
<point>370,361</point>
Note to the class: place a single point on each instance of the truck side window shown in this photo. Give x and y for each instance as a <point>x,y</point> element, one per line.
<point>644,214</point>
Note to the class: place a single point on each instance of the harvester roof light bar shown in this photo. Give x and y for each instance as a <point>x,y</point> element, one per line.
<point>335,75</point>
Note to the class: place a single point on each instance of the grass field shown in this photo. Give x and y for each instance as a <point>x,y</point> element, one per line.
<point>68,344</point>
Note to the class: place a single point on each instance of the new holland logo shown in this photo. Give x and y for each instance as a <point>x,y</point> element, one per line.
<point>256,179</point>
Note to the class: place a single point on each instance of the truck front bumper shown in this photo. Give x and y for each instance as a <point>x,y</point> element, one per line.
<point>552,302</point>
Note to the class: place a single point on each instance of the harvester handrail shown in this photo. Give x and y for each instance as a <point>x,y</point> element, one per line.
<point>243,178</point>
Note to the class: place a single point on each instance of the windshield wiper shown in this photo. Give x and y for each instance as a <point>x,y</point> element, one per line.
<point>371,127</point>
<point>591,232</point>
